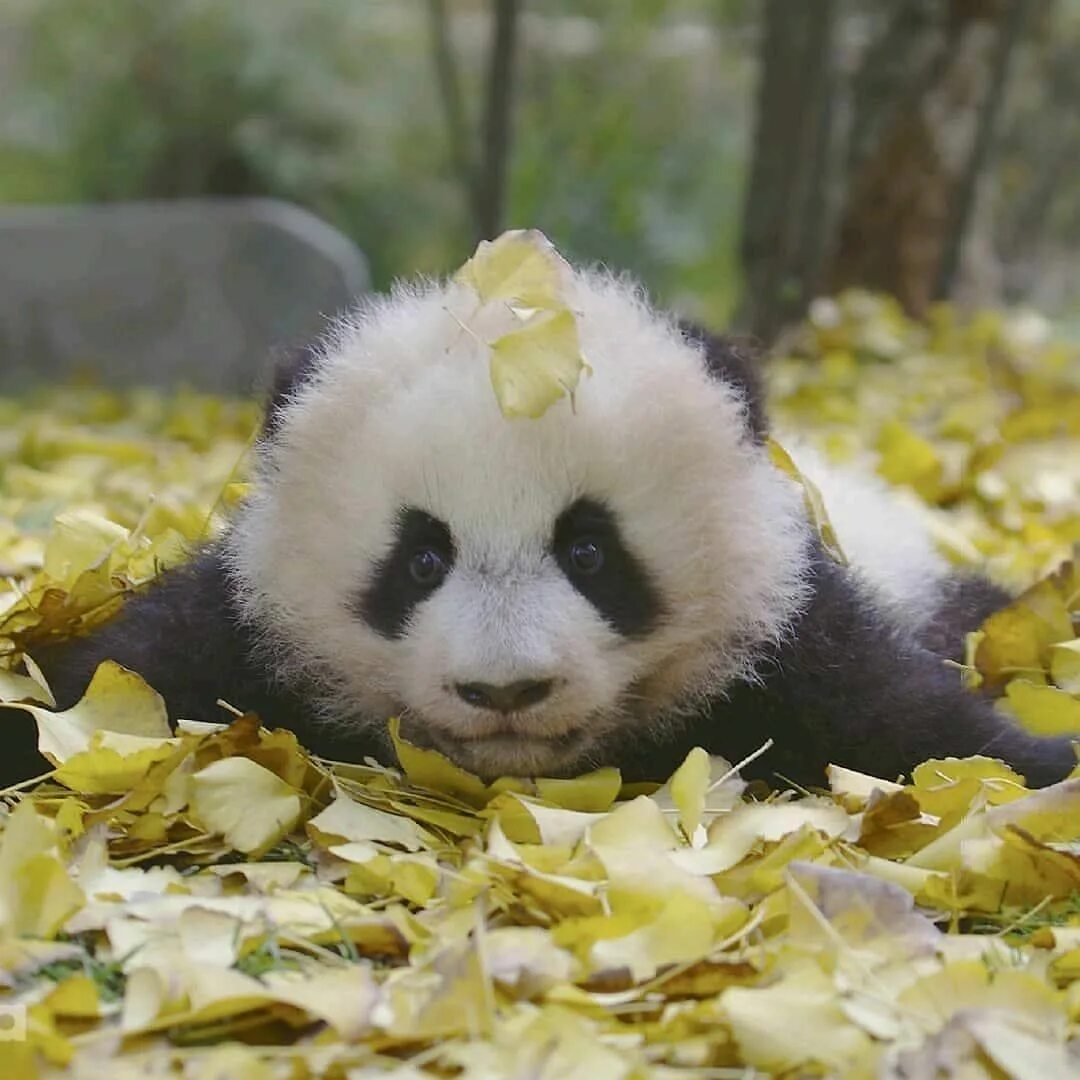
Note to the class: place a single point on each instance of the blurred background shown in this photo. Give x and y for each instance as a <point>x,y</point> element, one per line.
<point>740,157</point>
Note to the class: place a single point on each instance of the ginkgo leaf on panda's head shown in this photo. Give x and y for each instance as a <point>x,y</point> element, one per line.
<point>539,362</point>
<point>521,268</point>
<point>532,368</point>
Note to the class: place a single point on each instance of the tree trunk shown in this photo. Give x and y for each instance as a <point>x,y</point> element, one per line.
<point>481,172</point>
<point>458,133</point>
<point>910,197</point>
<point>783,234</point>
<point>491,180</point>
<point>893,67</point>
<point>1009,33</point>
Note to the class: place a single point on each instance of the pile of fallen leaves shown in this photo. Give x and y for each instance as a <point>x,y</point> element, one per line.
<point>212,902</point>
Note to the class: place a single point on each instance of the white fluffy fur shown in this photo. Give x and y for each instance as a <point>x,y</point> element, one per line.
<point>880,532</point>
<point>403,413</point>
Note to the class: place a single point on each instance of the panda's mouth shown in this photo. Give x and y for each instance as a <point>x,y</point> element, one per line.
<point>511,737</point>
<point>510,751</point>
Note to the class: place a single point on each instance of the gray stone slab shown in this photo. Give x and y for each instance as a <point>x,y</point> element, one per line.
<point>160,293</point>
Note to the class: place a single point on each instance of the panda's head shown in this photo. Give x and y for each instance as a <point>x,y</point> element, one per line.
<point>520,592</point>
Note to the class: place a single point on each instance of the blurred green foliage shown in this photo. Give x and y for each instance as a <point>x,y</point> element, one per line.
<point>631,125</point>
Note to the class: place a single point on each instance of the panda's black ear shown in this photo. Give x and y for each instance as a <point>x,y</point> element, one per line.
<point>291,368</point>
<point>737,363</point>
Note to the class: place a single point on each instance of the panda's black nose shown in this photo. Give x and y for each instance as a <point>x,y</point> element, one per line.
<point>505,699</point>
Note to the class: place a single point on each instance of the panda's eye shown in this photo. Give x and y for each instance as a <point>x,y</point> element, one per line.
<point>586,556</point>
<point>427,567</point>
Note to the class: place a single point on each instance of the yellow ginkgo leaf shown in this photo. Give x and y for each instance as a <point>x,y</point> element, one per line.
<point>733,836</point>
<point>430,769</point>
<point>532,368</point>
<point>412,877</point>
<point>681,931</point>
<point>1065,665</point>
<point>812,500</point>
<point>946,787</point>
<point>344,998</point>
<point>247,804</point>
<point>1020,637</point>
<point>636,825</point>
<point>527,821</point>
<point>77,996</point>
<point>80,539</point>
<point>36,894</point>
<point>550,1044</point>
<point>345,819</point>
<point>525,960</point>
<point>30,687</point>
<point>233,1061</point>
<point>520,267</point>
<point>689,787</point>
<point>837,910</point>
<point>907,458</point>
<point>116,700</point>
<point>105,769</point>
<point>847,783</point>
<point>210,938</point>
<point>1044,710</point>
<point>591,793</point>
<point>794,1021</point>
<point>971,984</point>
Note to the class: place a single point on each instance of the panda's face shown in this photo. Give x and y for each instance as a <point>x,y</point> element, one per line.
<point>512,654</point>
<point>518,592</point>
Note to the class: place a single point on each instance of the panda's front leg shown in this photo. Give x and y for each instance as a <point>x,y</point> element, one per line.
<point>183,637</point>
<point>853,688</point>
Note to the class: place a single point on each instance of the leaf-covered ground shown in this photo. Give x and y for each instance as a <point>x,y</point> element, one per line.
<point>214,903</point>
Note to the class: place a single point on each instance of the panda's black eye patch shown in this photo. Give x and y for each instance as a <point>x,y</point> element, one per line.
<point>590,550</point>
<point>417,564</point>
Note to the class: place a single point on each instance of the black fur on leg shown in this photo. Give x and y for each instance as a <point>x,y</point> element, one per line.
<point>180,634</point>
<point>738,364</point>
<point>850,689</point>
<point>967,601</point>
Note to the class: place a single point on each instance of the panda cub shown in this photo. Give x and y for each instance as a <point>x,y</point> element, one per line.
<point>614,583</point>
